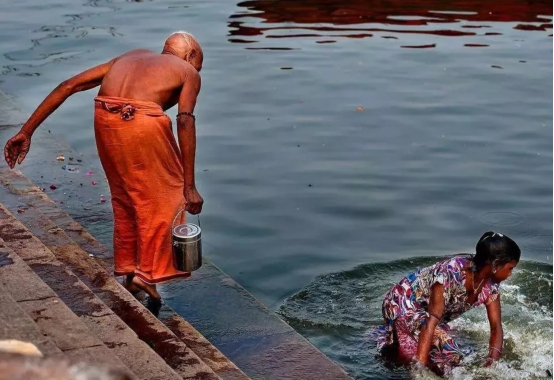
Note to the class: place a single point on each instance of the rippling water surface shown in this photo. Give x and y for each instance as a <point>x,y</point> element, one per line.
<point>345,140</point>
<point>337,312</point>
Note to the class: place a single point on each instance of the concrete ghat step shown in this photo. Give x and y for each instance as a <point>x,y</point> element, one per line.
<point>209,354</point>
<point>242,328</point>
<point>178,361</point>
<point>25,195</point>
<point>30,311</point>
<point>28,196</point>
<point>16,324</point>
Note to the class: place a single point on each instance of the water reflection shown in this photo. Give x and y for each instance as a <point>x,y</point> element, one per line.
<point>328,20</point>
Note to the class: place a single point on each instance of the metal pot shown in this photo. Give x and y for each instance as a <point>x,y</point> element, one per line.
<point>187,245</point>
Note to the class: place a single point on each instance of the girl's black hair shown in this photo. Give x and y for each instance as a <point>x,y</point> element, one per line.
<point>495,249</point>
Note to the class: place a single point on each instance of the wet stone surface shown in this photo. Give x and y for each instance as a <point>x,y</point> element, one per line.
<point>70,290</point>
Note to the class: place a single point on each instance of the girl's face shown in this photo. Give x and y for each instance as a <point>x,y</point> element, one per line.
<point>503,271</point>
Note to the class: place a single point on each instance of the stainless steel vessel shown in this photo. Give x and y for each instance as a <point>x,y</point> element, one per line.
<point>187,246</point>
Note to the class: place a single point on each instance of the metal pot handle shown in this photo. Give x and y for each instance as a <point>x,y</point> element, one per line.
<point>180,211</point>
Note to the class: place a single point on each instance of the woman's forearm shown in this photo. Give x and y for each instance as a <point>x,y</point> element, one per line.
<point>495,343</point>
<point>425,339</point>
<point>435,311</point>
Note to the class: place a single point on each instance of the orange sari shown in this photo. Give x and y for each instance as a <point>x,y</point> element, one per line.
<point>140,157</point>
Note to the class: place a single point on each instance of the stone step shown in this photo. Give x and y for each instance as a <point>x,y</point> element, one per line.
<point>241,327</point>
<point>16,324</point>
<point>138,355</point>
<point>18,194</point>
<point>27,196</point>
<point>32,312</point>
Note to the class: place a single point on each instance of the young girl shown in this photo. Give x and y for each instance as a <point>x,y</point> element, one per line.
<point>417,309</point>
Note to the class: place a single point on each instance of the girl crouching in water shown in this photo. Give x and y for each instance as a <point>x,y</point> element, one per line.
<point>417,309</point>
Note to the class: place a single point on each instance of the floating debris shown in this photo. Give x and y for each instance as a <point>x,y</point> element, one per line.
<point>94,183</point>
<point>70,168</point>
<point>89,174</point>
<point>70,158</point>
<point>53,187</point>
<point>61,157</point>
<point>102,199</point>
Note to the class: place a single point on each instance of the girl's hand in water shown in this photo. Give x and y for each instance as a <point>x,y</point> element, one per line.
<point>419,371</point>
<point>489,362</point>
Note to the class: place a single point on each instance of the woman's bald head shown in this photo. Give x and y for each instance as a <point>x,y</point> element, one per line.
<point>185,46</point>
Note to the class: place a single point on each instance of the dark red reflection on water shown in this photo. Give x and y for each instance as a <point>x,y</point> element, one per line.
<point>364,18</point>
<point>419,46</point>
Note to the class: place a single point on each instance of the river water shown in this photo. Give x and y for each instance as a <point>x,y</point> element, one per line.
<point>340,145</point>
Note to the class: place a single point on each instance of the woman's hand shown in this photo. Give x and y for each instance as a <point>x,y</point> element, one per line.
<point>16,149</point>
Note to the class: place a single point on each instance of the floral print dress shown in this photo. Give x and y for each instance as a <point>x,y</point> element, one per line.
<point>405,309</point>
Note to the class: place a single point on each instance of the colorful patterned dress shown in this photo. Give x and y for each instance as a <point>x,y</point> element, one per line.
<point>405,310</point>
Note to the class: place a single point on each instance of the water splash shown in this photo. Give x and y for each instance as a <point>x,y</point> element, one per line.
<point>337,311</point>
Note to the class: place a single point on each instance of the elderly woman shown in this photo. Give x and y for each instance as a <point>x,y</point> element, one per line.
<point>416,310</point>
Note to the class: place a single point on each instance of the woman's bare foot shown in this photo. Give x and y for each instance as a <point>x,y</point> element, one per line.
<point>149,289</point>
<point>129,285</point>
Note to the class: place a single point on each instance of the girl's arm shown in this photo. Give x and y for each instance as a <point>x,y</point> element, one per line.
<point>436,309</point>
<point>497,335</point>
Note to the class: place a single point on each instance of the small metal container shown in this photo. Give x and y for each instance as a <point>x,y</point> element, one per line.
<point>187,247</point>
